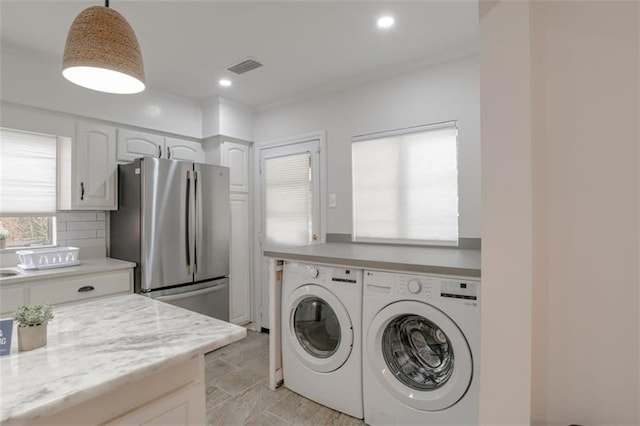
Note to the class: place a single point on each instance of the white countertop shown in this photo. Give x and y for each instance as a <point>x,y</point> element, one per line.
<point>97,346</point>
<point>428,260</point>
<point>86,266</point>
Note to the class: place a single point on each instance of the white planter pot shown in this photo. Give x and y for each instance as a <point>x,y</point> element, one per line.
<point>33,337</point>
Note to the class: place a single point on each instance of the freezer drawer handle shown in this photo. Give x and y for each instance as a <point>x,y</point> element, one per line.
<point>86,288</point>
<point>81,191</point>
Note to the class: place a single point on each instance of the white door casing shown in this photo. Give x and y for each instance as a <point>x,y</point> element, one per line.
<point>313,143</point>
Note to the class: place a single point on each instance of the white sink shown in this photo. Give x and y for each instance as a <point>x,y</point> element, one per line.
<point>8,272</point>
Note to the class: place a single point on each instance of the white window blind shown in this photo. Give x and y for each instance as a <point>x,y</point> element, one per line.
<point>405,186</point>
<point>288,199</point>
<point>27,173</point>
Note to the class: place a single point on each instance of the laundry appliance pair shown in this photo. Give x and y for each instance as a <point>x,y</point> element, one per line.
<point>394,348</point>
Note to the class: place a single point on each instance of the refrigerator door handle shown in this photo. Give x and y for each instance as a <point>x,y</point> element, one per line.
<point>198,220</point>
<point>187,222</point>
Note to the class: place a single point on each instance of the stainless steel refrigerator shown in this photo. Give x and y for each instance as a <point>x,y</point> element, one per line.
<point>173,221</point>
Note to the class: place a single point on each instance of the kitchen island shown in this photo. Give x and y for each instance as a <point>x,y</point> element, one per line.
<point>120,360</point>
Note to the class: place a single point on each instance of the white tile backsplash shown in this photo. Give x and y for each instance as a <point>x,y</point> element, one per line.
<point>78,216</point>
<point>86,230</point>
<point>75,226</point>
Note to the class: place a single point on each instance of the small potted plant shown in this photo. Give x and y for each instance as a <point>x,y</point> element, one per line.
<point>4,234</point>
<point>32,326</point>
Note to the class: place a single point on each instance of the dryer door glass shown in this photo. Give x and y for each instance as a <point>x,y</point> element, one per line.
<point>317,327</point>
<point>417,352</point>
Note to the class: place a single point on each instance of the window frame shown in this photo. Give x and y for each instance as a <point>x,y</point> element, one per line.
<point>398,132</point>
<point>51,240</point>
<point>51,231</point>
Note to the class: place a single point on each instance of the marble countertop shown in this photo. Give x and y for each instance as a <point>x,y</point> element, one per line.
<point>428,260</point>
<point>86,266</point>
<point>97,346</point>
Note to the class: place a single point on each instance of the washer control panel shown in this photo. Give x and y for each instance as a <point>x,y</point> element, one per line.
<point>411,285</point>
<point>459,289</point>
<point>420,286</point>
<point>324,274</point>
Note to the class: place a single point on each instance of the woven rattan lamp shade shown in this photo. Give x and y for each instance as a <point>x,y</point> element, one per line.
<point>102,53</point>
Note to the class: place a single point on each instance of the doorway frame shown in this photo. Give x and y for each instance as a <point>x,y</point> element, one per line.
<point>320,136</point>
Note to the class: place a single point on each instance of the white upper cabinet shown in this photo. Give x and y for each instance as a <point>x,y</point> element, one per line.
<point>178,149</point>
<point>87,168</point>
<point>236,157</point>
<point>133,144</point>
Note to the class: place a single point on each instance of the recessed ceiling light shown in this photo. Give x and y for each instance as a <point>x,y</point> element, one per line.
<point>225,82</point>
<point>386,21</point>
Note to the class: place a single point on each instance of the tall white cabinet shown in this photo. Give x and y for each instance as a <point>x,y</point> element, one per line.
<point>237,156</point>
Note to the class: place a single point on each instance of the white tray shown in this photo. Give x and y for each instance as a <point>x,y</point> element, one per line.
<point>51,266</point>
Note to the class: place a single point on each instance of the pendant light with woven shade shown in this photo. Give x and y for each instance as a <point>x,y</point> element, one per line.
<point>102,52</point>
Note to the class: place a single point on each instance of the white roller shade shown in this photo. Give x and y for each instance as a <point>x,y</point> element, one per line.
<point>405,187</point>
<point>288,200</point>
<point>27,173</point>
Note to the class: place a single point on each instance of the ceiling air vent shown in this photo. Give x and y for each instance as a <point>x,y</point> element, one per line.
<point>244,66</point>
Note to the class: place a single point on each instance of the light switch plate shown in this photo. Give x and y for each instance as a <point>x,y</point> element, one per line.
<point>332,201</point>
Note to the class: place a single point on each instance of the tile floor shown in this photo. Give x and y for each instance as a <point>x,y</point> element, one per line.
<point>238,393</point>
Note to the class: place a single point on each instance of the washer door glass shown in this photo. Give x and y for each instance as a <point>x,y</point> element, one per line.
<point>417,352</point>
<point>419,355</point>
<point>317,327</point>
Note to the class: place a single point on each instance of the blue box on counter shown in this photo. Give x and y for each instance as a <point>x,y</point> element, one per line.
<point>6,331</point>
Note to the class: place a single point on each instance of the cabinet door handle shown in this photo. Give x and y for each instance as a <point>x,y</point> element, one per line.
<point>168,152</point>
<point>81,191</point>
<point>159,152</point>
<point>86,288</point>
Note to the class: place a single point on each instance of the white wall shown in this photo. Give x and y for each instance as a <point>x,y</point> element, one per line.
<point>236,120</point>
<point>448,91</point>
<point>505,356</point>
<point>38,82</point>
<point>224,117</point>
<point>586,116</point>
<point>560,156</point>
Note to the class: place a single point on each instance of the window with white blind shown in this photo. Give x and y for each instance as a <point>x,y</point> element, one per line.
<point>27,187</point>
<point>405,186</point>
<point>288,199</point>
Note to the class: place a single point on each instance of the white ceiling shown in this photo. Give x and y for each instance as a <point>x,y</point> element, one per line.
<point>304,45</point>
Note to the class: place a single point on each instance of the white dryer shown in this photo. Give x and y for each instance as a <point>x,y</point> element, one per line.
<point>322,335</point>
<point>421,348</point>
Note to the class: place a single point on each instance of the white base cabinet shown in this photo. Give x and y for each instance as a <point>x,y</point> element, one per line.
<point>65,290</point>
<point>172,396</point>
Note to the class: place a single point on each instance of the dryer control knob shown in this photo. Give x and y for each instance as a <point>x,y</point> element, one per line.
<point>414,286</point>
<point>313,272</point>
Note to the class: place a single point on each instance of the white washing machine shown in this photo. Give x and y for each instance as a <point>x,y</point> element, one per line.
<point>421,346</point>
<point>322,335</point>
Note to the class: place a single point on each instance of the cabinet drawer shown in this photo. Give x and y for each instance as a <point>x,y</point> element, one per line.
<point>80,288</point>
<point>11,299</point>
